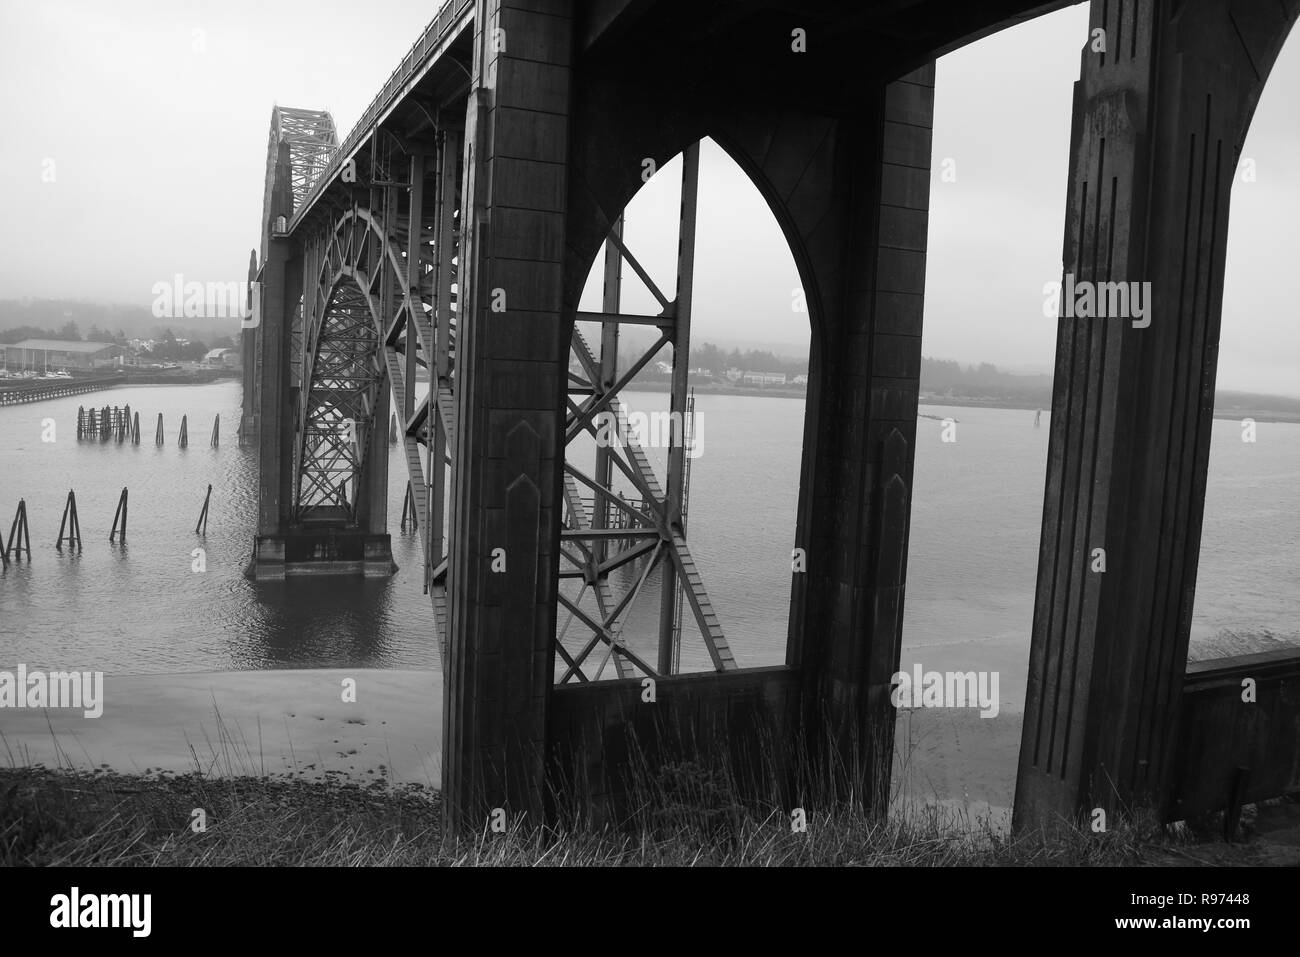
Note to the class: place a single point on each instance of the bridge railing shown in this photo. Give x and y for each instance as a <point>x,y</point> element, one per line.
<point>450,12</point>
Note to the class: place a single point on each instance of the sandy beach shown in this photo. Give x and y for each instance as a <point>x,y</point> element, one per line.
<point>244,723</point>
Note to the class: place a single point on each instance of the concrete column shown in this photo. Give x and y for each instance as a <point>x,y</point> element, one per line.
<point>510,376</point>
<point>281,278</point>
<point>847,608</point>
<point>1159,119</point>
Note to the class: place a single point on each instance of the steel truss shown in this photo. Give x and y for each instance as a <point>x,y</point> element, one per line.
<point>605,532</point>
<point>378,313</point>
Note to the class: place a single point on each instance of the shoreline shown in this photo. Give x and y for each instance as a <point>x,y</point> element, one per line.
<point>934,400</point>
<point>295,721</point>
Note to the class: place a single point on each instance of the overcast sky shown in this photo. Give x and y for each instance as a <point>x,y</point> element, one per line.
<point>155,114</point>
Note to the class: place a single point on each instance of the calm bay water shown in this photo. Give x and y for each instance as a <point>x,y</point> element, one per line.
<point>142,609</point>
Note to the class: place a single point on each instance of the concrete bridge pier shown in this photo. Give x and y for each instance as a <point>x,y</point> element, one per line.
<point>511,357</point>
<point>1159,122</point>
<point>550,165</point>
<point>849,187</point>
<point>281,271</point>
<point>865,276</point>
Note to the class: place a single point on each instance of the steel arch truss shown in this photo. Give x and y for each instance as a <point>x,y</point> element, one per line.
<point>342,372</point>
<point>312,140</point>
<point>378,311</point>
<point>338,415</point>
<point>301,145</point>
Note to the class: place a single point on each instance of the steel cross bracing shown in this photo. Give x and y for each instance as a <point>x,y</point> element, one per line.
<point>373,273</point>
<point>312,141</point>
<point>604,530</point>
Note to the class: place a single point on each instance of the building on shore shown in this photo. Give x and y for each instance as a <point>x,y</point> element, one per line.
<point>53,355</point>
<point>221,359</point>
<point>763,378</point>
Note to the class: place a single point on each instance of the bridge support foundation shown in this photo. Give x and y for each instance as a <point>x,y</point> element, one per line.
<point>512,345</point>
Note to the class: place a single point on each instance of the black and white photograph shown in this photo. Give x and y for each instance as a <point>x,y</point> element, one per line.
<point>664,435</point>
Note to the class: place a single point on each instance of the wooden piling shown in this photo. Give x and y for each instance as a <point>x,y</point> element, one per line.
<point>158,435</point>
<point>105,424</point>
<point>408,508</point>
<point>185,432</point>
<point>135,430</point>
<point>81,421</point>
<point>120,513</point>
<point>201,527</point>
<point>71,523</point>
<point>216,431</point>
<point>19,533</point>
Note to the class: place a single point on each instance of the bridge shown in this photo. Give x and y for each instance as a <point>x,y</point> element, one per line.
<point>430,266</point>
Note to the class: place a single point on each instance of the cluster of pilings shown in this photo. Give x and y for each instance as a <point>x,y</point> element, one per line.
<point>19,542</point>
<point>108,423</point>
<point>122,424</point>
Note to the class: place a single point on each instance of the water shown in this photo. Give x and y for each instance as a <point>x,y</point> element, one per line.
<point>973,557</point>
<point>142,609</point>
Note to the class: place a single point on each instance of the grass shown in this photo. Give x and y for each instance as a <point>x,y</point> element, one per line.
<point>682,814</point>
<point>65,817</point>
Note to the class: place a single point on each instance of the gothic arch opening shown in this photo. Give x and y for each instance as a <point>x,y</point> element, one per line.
<point>745,381</point>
